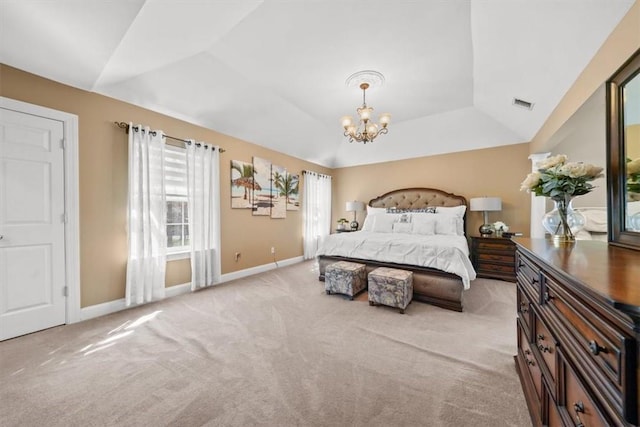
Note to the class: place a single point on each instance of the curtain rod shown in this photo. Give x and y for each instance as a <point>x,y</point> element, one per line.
<point>125,126</point>
<point>315,173</point>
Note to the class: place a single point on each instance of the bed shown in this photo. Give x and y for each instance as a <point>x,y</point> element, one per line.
<point>439,280</point>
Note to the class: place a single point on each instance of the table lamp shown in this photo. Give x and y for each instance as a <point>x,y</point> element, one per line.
<point>354,207</point>
<point>486,204</point>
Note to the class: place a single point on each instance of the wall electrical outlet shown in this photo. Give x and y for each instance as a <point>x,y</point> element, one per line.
<point>273,249</point>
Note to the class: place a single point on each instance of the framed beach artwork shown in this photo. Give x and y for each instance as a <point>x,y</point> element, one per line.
<point>263,191</point>
<point>242,184</point>
<point>278,196</point>
<point>292,190</point>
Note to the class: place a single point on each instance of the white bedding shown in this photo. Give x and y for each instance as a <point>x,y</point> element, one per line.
<point>446,253</point>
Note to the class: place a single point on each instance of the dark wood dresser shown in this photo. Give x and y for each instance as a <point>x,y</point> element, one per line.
<point>578,332</point>
<point>494,257</point>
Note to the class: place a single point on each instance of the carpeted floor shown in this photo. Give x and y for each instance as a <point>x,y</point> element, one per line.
<point>275,350</point>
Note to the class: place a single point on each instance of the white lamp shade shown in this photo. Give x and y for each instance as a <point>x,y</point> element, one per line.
<point>354,206</point>
<point>486,204</point>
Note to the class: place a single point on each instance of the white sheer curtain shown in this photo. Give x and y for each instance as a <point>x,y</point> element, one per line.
<point>147,230</point>
<point>316,204</point>
<point>203,179</point>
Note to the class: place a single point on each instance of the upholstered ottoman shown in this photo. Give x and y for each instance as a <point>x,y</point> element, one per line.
<point>390,286</point>
<point>343,277</point>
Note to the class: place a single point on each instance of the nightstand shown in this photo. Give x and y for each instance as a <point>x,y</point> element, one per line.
<point>494,257</point>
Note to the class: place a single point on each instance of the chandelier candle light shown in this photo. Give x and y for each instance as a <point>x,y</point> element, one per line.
<point>365,130</point>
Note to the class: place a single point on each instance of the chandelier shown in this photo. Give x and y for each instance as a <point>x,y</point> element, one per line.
<point>365,130</point>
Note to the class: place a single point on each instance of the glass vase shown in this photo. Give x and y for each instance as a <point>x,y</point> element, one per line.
<point>563,222</point>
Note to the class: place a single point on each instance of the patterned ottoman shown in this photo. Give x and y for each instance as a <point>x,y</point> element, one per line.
<point>390,286</point>
<point>344,277</point>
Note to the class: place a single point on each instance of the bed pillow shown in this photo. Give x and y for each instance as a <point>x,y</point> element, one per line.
<point>447,225</point>
<point>371,210</point>
<point>452,210</point>
<point>367,225</point>
<point>401,227</point>
<point>425,228</point>
<point>384,223</point>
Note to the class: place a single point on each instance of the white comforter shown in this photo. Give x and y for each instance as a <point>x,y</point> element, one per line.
<point>446,253</point>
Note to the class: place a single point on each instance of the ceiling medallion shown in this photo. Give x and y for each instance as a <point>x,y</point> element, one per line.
<point>365,130</point>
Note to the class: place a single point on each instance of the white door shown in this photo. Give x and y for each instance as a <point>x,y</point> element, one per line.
<point>32,247</point>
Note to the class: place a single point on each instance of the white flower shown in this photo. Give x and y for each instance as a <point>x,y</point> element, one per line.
<point>500,226</point>
<point>531,181</point>
<point>573,169</point>
<point>633,166</point>
<point>552,161</point>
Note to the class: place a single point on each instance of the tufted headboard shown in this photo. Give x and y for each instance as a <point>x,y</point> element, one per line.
<point>416,198</point>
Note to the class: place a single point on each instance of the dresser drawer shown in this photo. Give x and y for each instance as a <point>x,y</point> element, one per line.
<point>593,340</point>
<point>530,361</point>
<point>524,309</point>
<point>529,277</point>
<point>546,345</point>
<point>577,403</point>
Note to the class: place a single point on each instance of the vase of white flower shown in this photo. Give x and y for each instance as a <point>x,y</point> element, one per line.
<point>562,181</point>
<point>563,222</point>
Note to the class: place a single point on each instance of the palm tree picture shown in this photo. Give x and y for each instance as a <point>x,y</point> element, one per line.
<point>278,178</point>
<point>242,184</point>
<point>289,188</point>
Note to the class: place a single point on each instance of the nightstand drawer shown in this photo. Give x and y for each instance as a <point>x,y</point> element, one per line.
<point>497,245</point>
<point>493,257</point>
<point>486,267</point>
<point>496,257</point>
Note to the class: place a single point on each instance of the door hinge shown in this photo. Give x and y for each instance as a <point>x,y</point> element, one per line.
<point>63,144</point>
<point>65,291</point>
<point>65,218</point>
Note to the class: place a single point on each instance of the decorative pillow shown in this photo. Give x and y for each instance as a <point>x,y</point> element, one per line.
<point>428,209</point>
<point>395,210</point>
<point>401,227</point>
<point>384,223</point>
<point>427,228</point>
<point>452,210</point>
<point>447,225</point>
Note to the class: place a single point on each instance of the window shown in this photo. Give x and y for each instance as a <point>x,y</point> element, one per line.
<point>175,175</point>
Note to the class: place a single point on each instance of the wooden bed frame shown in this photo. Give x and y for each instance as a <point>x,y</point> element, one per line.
<point>429,285</point>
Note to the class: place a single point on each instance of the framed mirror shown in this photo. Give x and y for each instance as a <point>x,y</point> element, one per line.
<point>623,154</point>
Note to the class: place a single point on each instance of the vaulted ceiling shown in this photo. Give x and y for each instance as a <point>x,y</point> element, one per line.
<point>273,72</point>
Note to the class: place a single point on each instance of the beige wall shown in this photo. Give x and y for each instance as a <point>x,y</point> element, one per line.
<point>489,172</point>
<point>618,47</point>
<point>103,187</point>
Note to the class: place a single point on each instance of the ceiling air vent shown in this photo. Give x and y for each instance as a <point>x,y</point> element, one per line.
<point>522,103</point>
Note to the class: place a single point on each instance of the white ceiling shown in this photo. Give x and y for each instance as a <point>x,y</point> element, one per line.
<point>273,72</point>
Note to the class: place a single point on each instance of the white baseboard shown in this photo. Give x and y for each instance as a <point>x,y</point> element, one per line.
<point>103,309</point>
<point>258,269</point>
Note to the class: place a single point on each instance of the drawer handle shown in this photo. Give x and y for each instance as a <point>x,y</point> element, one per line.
<point>529,362</point>
<point>523,308</point>
<point>547,296</point>
<point>578,408</point>
<point>541,347</point>
<point>595,349</point>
